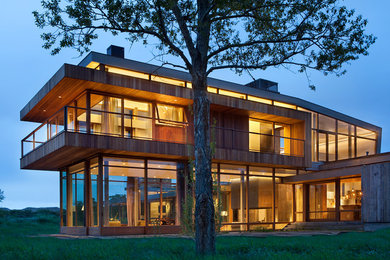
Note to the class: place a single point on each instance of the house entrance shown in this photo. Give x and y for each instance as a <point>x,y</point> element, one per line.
<point>322,202</point>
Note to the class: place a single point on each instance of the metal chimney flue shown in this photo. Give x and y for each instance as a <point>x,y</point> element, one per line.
<point>116,51</point>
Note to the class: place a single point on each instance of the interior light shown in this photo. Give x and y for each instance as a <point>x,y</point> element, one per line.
<point>59,96</point>
<point>224,213</point>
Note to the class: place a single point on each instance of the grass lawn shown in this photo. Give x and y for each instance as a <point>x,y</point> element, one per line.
<point>16,243</point>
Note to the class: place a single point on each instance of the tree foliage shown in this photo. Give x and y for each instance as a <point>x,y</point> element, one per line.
<point>2,197</point>
<point>249,34</point>
<point>209,35</point>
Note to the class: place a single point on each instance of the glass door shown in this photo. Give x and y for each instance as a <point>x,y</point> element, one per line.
<point>322,202</point>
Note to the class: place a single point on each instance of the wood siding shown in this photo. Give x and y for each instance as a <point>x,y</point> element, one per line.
<point>376,193</point>
<point>68,147</point>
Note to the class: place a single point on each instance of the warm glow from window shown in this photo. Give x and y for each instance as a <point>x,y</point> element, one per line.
<point>231,94</point>
<point>170,113</point>
<point>212,90</point>
<point>281,104</point>
<point>129,73</point>
<point>189,85</point>
<point>141,106</point>
<point>260,100</point>
<point>93,65</point>
<point>168,81</point>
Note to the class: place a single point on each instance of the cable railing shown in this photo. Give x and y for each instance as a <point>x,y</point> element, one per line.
<point>144,127</point>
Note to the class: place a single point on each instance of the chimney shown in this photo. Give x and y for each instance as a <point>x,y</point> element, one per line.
<point>264,84</point>
<point>116,51</point>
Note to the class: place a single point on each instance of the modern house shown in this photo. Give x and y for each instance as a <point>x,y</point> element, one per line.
<point>120,134</point>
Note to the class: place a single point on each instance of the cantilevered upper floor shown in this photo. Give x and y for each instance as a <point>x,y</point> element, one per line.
<point>109,104</point>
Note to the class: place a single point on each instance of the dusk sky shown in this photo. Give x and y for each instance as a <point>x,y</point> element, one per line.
<point>25,67</point>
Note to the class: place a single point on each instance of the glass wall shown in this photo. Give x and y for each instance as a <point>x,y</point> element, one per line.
<point>94,195</point>
<point>76,204</point>
<point>350,199</point>
<point>322,201</point>
<point>337,140</point>
<point>260,199</point>
<point>123,192</point>
<point>128,118</point>
<point>298,202</point>
<point>162,193</point>
<point>64,213</point>
<point>232,181</point>
<point>283,202</point>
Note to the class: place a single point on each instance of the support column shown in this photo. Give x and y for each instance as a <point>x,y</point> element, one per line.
<point>337,198</point>
<point>100,190</point>
<point>273,199</point>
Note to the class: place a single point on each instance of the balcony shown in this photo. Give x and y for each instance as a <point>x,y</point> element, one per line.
<point>131,131</point>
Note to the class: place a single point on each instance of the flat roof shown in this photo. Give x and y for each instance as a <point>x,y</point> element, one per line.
<point>213,82</point>
<point>185,76</point>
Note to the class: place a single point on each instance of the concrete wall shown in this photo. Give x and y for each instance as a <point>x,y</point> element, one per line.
<point>376,192</point>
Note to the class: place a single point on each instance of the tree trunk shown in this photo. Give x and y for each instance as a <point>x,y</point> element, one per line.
<point>204,207</point>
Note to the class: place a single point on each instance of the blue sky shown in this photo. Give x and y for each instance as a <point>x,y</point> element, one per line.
<point>25,67</point>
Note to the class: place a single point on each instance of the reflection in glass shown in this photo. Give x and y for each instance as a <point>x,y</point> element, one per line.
<point>63,196</point>
<point>123,193</point>
<point>162,197</point>
<point>77,190</point>
<point>94,196</point>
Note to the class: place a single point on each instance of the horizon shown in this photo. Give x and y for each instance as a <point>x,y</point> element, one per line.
<point>361,93</point>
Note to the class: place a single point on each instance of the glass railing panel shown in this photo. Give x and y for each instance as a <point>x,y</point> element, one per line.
<point>150,128</point>
<point>138,127</point>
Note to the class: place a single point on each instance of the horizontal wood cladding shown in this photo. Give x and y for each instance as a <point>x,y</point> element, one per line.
<point>67,148</point>
<point>324,175</point>
<point>257,159</point>
<point>370,159</point>
<point>72,80</point>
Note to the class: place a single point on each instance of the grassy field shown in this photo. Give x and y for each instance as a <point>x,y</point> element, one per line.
<point>17,241</point>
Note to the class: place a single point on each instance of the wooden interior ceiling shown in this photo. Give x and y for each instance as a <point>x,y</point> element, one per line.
<point>253,114</point>
<point>69,89</point>
<point>274,118</point>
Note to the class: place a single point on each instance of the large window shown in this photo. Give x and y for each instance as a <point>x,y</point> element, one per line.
<point>350,199</point>
<point>260,199</point>
<point>123,192</point>
<point>322,202</point>
<point>94,196</point>
<point>76,204</point>
<point>64,207</point>
<point>284,202</point>
<point>169,114</point>
<point>162,199</point>
<point>233,196</point>
<point>338,140</point>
